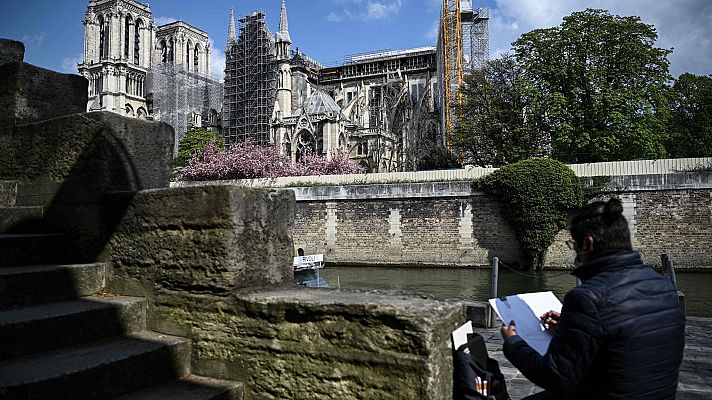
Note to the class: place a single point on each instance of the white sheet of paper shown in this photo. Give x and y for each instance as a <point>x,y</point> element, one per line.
<point>525,309</point>
<point>459,335</point>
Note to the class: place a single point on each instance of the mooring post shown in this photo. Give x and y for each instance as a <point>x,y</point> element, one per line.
<point>495,281</point>
<point>669,271</point>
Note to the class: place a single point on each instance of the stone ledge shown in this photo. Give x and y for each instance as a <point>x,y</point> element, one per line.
<point>11,51</point>
<point>309,343</point>
<point>31,94</point>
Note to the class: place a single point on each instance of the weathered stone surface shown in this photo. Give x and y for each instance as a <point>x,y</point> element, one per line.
<point>205,240</point>
<point>68,164</point>
<point>29,94</point>
<point>8,193</point>
<point>11,51</point>
<point>317,344</point>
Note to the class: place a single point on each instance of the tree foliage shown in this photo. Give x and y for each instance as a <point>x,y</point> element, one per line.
<point>497,128</point>
<point>691,117</point>
<point>599,86</point>
<point>248,160</point>
<point>536,197</point>
<point>195,141</point>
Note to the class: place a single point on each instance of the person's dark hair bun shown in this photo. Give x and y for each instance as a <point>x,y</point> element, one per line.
<point>612,210</point>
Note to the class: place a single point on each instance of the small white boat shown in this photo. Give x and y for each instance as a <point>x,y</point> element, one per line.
<point>306,270</point>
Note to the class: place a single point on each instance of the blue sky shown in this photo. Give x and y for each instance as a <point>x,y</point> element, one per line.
<point>328,30</point>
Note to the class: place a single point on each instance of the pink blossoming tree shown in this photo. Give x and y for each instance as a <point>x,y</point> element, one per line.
<point>248,160</point>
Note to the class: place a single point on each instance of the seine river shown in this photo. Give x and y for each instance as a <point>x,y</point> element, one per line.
<point>474,284</point>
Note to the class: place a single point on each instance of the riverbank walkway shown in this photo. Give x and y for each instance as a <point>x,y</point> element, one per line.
<point>695,372</point>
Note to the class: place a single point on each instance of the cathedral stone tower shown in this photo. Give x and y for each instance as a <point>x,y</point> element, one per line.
<point>117,55</point>
<point>284,83</point>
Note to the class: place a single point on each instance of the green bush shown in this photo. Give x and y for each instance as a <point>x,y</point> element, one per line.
<point>537,196</point>
<point>194,141</point>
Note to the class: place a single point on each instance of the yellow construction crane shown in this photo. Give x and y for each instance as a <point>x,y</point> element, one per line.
<point>451,23</point>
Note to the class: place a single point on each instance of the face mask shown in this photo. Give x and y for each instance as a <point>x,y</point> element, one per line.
<point>577,262</point>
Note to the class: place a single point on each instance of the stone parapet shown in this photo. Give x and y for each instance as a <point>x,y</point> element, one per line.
<point>29,93</point>
<point>11,51</point>
<point>214,263</point>
<point>68,164</point>
<point>203,240</point>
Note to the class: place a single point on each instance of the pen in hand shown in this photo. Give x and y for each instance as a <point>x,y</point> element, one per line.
<point>550,320</point>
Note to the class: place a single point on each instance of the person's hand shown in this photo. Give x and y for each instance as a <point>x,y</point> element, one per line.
<point>550,320</point>
<point>508,331</point>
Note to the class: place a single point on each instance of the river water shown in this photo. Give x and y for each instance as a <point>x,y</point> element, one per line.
<point>475,284</point>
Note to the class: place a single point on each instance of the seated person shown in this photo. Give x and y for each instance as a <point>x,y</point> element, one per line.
<point>620,335</point>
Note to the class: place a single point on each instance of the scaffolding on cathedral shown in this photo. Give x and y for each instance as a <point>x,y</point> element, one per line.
<point>250,82</point>
<point>183,98</point>
<point>463,44</point>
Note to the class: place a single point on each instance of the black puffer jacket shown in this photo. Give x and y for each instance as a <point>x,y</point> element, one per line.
<point>621,335</point>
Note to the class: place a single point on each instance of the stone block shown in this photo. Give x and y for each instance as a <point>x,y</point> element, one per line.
<point>211,239</point>
<point>11,51</point>
<point>317,344</point>
<point>29,94</point>
<point>8,193</point>
<point>67,165</point>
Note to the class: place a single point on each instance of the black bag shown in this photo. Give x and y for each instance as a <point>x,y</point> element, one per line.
<point>470,362</point>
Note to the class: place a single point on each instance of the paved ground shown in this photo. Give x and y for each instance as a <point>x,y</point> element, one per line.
<point>695,372</point>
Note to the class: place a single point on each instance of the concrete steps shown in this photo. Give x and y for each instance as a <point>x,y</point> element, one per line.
<point>32,330</point>
<point>96,370</point>
<point>188,388</point>
<point>30,285</point>
<point>62,337</point>
<point>38,248</point>
<point>20,219</point>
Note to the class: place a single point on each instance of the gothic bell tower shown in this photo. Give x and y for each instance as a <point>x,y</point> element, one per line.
<point>117,55</point>
<point>284,70</point>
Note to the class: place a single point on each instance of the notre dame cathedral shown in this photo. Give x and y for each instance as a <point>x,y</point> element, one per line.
<point>137,69</point>
<point>379,109</point>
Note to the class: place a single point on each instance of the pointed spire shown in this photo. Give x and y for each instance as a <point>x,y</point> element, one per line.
<point>231,35</point>
<point>284,24</point>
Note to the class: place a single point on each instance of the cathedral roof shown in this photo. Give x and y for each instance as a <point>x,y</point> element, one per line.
<point>321,103</point>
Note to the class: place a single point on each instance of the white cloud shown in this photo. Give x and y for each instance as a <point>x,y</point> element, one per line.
<point>69,64</point>
<point>34,40</point>
<point>164,20</point>
<point>217,61</point>
<point>685,25</point>
<point>365,11</point>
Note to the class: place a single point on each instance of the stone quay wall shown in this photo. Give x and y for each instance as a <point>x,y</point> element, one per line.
<point>220,274</point>
<point>452,224</point>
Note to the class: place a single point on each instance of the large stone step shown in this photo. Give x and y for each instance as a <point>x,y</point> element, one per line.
<point>97,370</point>
<point>190,387</point>
<point>20,219</point>
<point>32,330</point>
<point>31,285</point>
<point>35,249</point>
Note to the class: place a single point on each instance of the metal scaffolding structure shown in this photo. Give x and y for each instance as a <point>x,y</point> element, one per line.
<point>183,99</point>
<point>463,44</point>
<point>250,82</point>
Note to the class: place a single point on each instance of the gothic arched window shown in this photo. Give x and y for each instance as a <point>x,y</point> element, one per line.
<point>127,33</point>
<point>187,55</point>
<point>196,56</point>
<point>102,38</point>
<point>137,41</point>
<point>164,51</point>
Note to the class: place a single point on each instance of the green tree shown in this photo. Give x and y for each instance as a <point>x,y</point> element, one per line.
<point>536,197</point>
<point>601,86</point>
<point>497,128</point>
<point>691,117</point>
<point>195,141</point>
